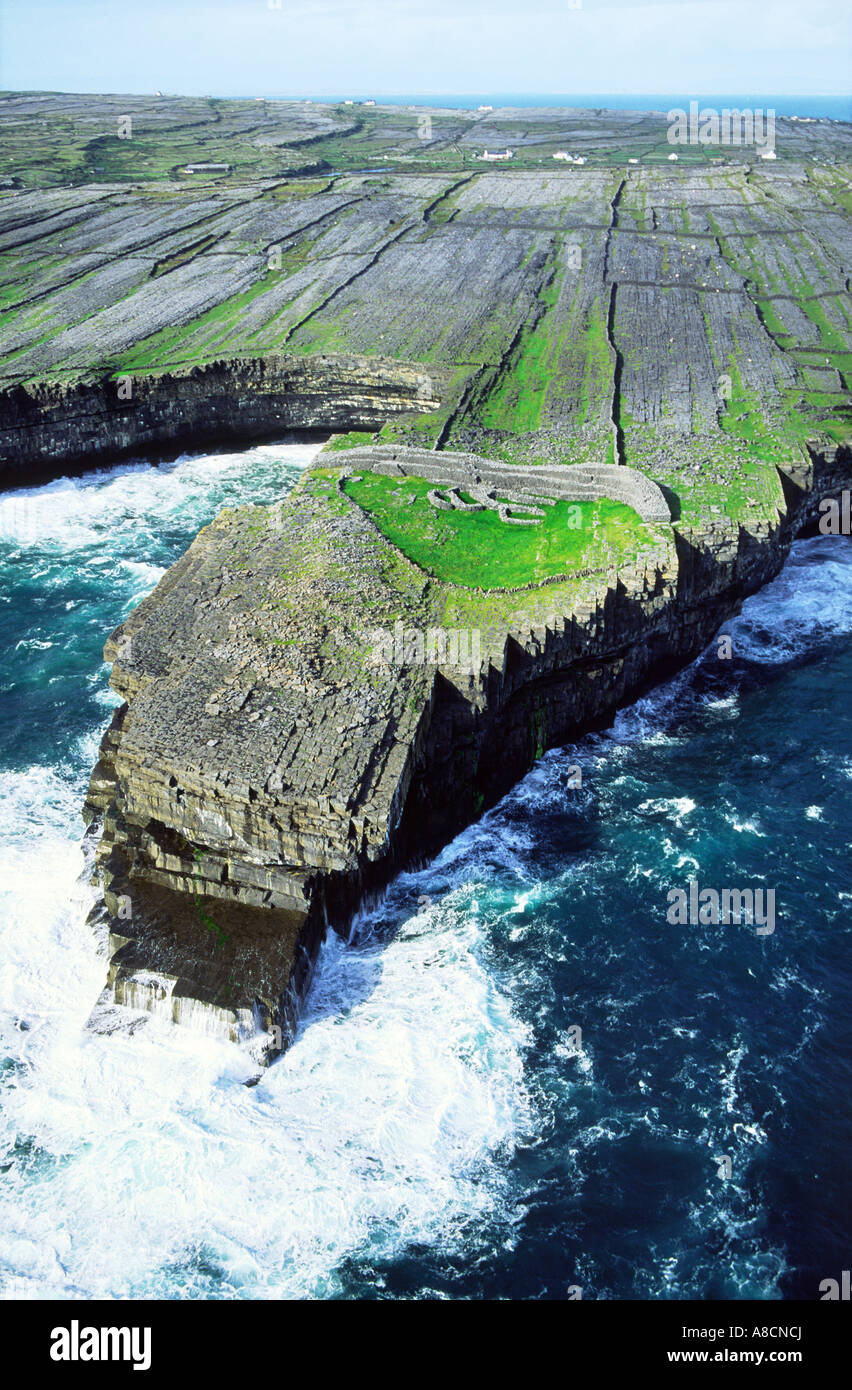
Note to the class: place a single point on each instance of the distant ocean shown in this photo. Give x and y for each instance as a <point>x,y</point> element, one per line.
<point>836,108</point>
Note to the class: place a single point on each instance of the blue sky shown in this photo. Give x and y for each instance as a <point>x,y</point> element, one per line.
<point>316,47</point>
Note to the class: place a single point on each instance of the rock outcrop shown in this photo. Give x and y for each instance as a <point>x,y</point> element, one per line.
<point>270,770</point>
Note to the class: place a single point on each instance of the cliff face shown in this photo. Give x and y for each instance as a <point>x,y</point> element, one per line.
<point>267,771</point>
<point>49,426</point>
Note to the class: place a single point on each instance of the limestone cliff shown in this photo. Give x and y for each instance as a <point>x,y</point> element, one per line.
<point>47,427</point>
<point>267,771</point>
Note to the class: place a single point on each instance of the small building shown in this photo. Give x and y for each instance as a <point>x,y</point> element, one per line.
<point>581,159</point>
<point>206,169</point>
<point>633,161</point>
<point>672,156</point>
<point>563,154</point>
<point>504,155</point>
<point>485,108</point>
<point>769,154</point>
<point>370,102</point>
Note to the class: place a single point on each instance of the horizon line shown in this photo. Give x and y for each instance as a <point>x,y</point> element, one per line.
<point>373,94</point>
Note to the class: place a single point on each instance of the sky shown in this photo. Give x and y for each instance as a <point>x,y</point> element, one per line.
<point>381,47</point>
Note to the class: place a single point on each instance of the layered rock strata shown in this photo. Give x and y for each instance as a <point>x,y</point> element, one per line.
<point>49,426</point>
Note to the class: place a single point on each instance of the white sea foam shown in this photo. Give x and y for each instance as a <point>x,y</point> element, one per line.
<point>380,1126</point>
<point>42,901</point>
<point>675,808</point>
<point>807,605</point>
<point>747,826</point>
<point>97,508</point>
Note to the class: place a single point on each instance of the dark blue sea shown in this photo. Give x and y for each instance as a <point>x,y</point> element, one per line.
<point>518,1078</point>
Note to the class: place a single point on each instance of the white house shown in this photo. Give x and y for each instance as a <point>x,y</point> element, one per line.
<point>769,154</point>
<point>506,154</point>
<point>562,154</point>
<point>672,156</point>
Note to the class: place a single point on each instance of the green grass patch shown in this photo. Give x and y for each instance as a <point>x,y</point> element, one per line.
<point>354,439</point>
<point>516,402</point>
<point>744,418</point>
<point>478,550</point>
<point>168,347</point>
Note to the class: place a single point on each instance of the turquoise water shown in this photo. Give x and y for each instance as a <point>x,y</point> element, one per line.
<point>439,1127</point>
<point>836,108</point>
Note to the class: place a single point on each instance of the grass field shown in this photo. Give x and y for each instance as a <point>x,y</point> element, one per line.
<point>478,550</point>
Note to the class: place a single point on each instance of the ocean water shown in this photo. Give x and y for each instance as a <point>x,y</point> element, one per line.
<point>440,1127</point>
<point>834,108</point>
